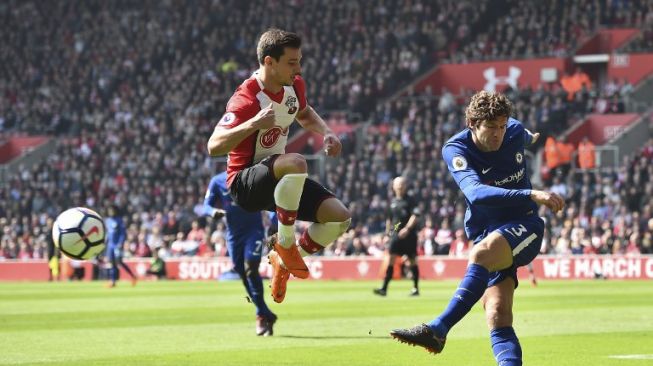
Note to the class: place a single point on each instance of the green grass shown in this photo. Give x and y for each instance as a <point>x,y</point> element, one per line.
<point>320,323</point>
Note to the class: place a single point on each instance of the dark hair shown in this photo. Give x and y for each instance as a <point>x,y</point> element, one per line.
<point>273,42</point>
<point>487,106</point>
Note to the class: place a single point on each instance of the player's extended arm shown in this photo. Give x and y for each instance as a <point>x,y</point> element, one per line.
<point>530,138</point>
<point>224,140</point>
<point>210,201</point>
<point>482,194</point>
<point>474,190</point>
<point>553,201</point>
<point>310,120</point>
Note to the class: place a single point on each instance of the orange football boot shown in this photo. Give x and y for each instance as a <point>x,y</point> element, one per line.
<point>279,278</point>
<point>292,260</point>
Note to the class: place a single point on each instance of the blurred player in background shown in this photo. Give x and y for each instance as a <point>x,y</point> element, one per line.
<point>402,228</point>
<point>487,162</point>
<point>116,235</point>
<point>157,266</point>
<point>261,175</point>
<point>245,236</point>
<point>54,254</point>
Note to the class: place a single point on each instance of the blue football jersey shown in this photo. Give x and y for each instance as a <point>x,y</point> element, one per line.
<point>239,222</point>
<point>116,232</point>
<point>495,184</point>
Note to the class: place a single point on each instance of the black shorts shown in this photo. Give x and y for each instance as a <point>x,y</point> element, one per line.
<point>253,190</point>
<point>406,246</point>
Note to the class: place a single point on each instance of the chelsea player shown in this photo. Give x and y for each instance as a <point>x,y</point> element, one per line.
<point>487,162</point>
<point>245,235</point>
<point>116,235</point>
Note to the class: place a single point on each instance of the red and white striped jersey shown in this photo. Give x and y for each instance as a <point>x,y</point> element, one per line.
<point>247,101</point>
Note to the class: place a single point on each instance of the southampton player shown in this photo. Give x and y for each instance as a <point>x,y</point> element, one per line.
<point>245,236</point>
<point>402,227</point>
<point>261,175</point>
<point>487,162</point>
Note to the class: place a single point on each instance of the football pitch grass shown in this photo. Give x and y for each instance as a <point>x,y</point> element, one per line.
<point>320,323</point>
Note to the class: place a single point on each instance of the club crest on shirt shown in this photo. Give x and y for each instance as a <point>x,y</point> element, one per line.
<point>519,157</point>
<point>271,136</point>
<point>459,163</point>
<point>227,119</point>
<point>291,103</point>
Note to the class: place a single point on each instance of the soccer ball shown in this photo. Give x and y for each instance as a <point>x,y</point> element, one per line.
<point>79,233</point>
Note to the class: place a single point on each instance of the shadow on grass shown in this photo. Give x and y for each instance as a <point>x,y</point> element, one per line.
<point>333,337</point>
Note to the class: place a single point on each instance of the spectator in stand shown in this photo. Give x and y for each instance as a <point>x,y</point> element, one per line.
<point>444,237</point>
<point>88,87</point>
<point>586,154</point>
<point>460,246</point>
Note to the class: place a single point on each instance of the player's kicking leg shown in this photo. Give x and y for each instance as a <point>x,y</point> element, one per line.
<point>491,254</point>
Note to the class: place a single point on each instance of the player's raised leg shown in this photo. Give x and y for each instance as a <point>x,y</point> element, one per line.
<point>290,170</point>
<point>333,219</point>
<point>330,219</point>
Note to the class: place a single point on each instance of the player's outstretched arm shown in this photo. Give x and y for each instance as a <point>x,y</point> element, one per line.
<point>310,120</point>
<point>224,140</point>
<point>549,199</point>
<point>532,137</point>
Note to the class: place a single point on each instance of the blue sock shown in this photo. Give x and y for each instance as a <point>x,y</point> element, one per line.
<point>469,291</point>
<point>114,273</point>
<point>254,286</point>
<point>505,346</point>
<point>255,290</point>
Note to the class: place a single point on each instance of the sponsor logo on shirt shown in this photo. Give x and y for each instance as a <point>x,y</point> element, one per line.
<point>514,178</point>
<point>271,136</point>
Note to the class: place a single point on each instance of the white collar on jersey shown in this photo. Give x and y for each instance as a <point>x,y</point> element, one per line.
<point>258,80</point>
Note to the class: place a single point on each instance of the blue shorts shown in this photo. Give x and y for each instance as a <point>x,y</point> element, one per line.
<point>246,248</point>
<point>525,239</point>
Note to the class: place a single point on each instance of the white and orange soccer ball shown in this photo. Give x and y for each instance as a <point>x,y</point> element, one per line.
<point>79,233</point>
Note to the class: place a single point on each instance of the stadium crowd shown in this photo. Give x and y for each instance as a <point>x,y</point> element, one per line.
<point>549,28</point>
<point>134,88</point>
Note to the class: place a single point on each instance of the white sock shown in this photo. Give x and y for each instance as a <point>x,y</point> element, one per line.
<point>287,194</point>
<point>320,235</point>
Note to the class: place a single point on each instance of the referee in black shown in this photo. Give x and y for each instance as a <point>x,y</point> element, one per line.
<point>402,228</point>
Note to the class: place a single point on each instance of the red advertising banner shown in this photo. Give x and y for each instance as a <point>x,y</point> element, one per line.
<point>632,67</point>
<point>491,76</point>
<point>600,128</point>
<point>368,268</point>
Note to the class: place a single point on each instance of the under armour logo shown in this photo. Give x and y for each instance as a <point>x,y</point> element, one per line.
<point>493,80</point>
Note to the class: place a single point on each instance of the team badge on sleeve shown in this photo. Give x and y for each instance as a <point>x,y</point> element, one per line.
<point>459,163</point>
<point>227,119</point>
